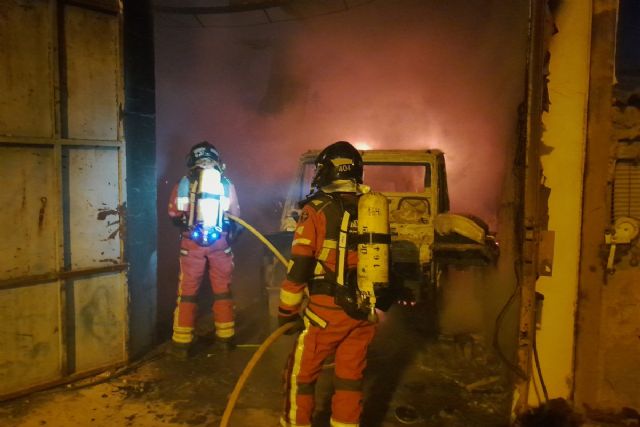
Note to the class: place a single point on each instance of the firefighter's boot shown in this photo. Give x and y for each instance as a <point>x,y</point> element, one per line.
<point>179,351</point>
<point>225,345</point>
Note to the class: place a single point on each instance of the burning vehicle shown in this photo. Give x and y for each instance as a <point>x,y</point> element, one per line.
<point>425,236</point>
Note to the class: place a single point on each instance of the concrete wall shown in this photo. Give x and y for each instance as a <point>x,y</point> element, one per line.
<point>564,143</point>
<point>588,340</point>
<point>608,349</point>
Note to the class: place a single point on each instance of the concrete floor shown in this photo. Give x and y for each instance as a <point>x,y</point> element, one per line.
<point>413,378</point>
<point>409,380</point>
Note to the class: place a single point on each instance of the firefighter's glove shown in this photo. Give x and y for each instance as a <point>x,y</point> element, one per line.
<point>180,220</point>
<point>296,319</point>
<point>233,232</point>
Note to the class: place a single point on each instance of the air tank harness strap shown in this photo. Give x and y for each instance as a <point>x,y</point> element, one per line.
<point>342,248</point>
<point>373,238</point>
<point>322,287</point>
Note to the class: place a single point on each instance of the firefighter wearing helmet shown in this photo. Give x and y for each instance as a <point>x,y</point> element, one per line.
<point>197,205</point>
<point>324,256</point>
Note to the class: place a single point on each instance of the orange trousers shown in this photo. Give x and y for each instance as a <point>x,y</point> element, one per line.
<point>193,264</point>
<point>329,330</point>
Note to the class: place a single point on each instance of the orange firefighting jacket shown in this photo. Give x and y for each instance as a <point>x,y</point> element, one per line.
<point>314,249</point>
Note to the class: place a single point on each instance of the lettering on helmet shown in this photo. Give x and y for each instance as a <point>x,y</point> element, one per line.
<point>344,168</point>
<point>342,161</point>
<point>199,152</point>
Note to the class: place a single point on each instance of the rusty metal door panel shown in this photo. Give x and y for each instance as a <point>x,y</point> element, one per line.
<point>63,285</point>
<point>30,337</point>
<point>92,203</point>
<point>100,318</point>
<point>93,67</point>
<point>26,103</point>
<point>28,199</point>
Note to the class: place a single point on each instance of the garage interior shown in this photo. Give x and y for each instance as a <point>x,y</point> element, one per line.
<point>534,103</point>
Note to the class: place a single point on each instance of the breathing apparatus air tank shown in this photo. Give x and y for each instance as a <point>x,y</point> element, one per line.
<point>373,249</point>
<point>207,204</point>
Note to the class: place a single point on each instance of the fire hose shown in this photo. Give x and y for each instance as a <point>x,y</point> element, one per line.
<point>248,369</point>
<point>259,235</point>
<point>266,344</point>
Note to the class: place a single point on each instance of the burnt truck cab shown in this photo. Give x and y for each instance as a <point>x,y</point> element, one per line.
<point>425,236</point>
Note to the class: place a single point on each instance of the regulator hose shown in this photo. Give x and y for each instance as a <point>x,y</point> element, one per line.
<point>247,371</point>
<point>259,235</point>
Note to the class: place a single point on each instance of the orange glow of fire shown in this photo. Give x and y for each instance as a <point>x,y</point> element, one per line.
<point>361,145</point>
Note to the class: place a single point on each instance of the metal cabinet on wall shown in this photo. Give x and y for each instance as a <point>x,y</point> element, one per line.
<point>63,285</point>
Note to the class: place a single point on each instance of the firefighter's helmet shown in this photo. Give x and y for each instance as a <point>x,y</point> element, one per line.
<point>338,161</point>
<point>204,153</point>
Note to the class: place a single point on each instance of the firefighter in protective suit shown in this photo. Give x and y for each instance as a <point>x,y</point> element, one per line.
<point>197,205</point>
<point>323,264</point>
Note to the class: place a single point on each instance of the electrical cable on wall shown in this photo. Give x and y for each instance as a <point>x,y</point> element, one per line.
<point>538,367</point>
<point>498,324</point>
<point>536,390</point>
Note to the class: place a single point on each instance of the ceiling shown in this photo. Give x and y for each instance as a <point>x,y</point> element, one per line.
<point>239,13</point>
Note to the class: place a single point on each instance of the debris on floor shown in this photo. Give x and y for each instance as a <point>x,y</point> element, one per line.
<point>411,379</point>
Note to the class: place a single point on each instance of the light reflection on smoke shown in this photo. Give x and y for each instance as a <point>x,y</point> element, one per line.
<point>392,74</point>
<point>395,178</point>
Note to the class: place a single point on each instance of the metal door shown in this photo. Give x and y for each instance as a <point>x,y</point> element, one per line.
<point>63,288</point>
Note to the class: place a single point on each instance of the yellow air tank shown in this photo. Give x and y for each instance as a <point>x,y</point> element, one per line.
<point>373,248</point>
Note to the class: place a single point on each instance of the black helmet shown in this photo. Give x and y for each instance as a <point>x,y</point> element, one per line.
<point>203,150</point>
<point>340,160</point>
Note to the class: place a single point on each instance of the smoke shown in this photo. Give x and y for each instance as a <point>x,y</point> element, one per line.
<point>390,74</point>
